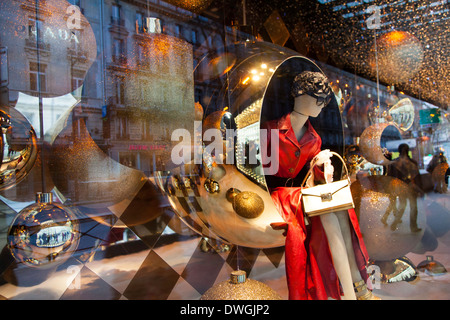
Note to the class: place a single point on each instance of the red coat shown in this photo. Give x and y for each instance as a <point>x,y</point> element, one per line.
<point>309,267</point>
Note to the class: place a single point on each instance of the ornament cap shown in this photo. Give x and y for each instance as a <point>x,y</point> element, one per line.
<point>238,276</point>
<point>44,197</point>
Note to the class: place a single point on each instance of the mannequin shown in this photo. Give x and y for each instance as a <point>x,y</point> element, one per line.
<point>344,255</point>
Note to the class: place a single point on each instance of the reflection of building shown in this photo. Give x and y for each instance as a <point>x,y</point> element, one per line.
<point>43,56</point>
<point>147,85</point>
<point>121,82</point>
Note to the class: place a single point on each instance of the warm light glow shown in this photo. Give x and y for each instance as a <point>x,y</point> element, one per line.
<point>256,78</point>
<point>395,36</point>
<point>246,80</point>
<point>264,66</point>
<point>253,71</point>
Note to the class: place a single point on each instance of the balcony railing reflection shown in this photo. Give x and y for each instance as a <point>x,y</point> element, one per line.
<point>117,21</point>
<point>119,59</point>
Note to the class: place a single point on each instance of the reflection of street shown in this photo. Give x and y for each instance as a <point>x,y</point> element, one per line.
<point>435,208</point>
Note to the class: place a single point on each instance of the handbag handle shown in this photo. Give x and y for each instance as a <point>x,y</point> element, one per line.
<point>312,167</point>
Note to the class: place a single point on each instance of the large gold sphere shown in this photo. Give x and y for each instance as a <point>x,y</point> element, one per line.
<point>374,198</point>
<point>238,287</point>
<point>400,56</point>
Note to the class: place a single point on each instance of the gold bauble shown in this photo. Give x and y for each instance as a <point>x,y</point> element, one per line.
<point>195,6</point>
<point>44,233</point>
<point>370,144</point>
<point>19,139</point>
<point>211,186</point>
<point>400,57</point>
<point>238,287</point>
<point>248,204</point>
<point>231,193</point>
<point>96,179</point>
<point>402,114</point>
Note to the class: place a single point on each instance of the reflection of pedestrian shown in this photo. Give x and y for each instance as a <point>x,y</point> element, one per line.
<point>437,167</point>
<point>407,170</point>
<point>437,158</point>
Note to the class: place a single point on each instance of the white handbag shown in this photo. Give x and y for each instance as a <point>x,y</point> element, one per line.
<point>329,197</point>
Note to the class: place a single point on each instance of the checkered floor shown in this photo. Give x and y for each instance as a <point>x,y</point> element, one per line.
<point>149,261</point>
<point>162,259</point>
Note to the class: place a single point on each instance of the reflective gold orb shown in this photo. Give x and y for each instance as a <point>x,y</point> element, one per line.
<point>18,147</point>
<point>43,233</point>
<point>211,186</point>
<point>248,204</point>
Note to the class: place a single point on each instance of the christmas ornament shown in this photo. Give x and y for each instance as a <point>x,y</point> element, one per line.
<point>370,144</point>
<point>18,143</point>
<point>238,287</point>
<point>44,233</point>
<point>400,57</point>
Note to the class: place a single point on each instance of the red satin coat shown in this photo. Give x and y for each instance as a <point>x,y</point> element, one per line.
<point>309,266</point>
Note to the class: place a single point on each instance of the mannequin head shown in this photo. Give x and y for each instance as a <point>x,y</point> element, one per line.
<point>311,93</point>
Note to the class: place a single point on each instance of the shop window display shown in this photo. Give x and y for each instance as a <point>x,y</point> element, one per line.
<point>136,163</point>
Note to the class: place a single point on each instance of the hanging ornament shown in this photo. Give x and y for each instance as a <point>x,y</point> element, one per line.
<point>43,233</point>
<point>248,204</point>
<point>402,114</point>
<point>18,144</point>
<point>238,287</point>
<point>370,143</point>
<point>400,56</point>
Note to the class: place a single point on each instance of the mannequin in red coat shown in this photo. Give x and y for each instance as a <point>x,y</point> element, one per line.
<point>325,255</point>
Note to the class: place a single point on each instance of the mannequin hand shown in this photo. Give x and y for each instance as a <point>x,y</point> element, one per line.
<point>328,171</point>
<point>322,157</point>
<point>280,226</point>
